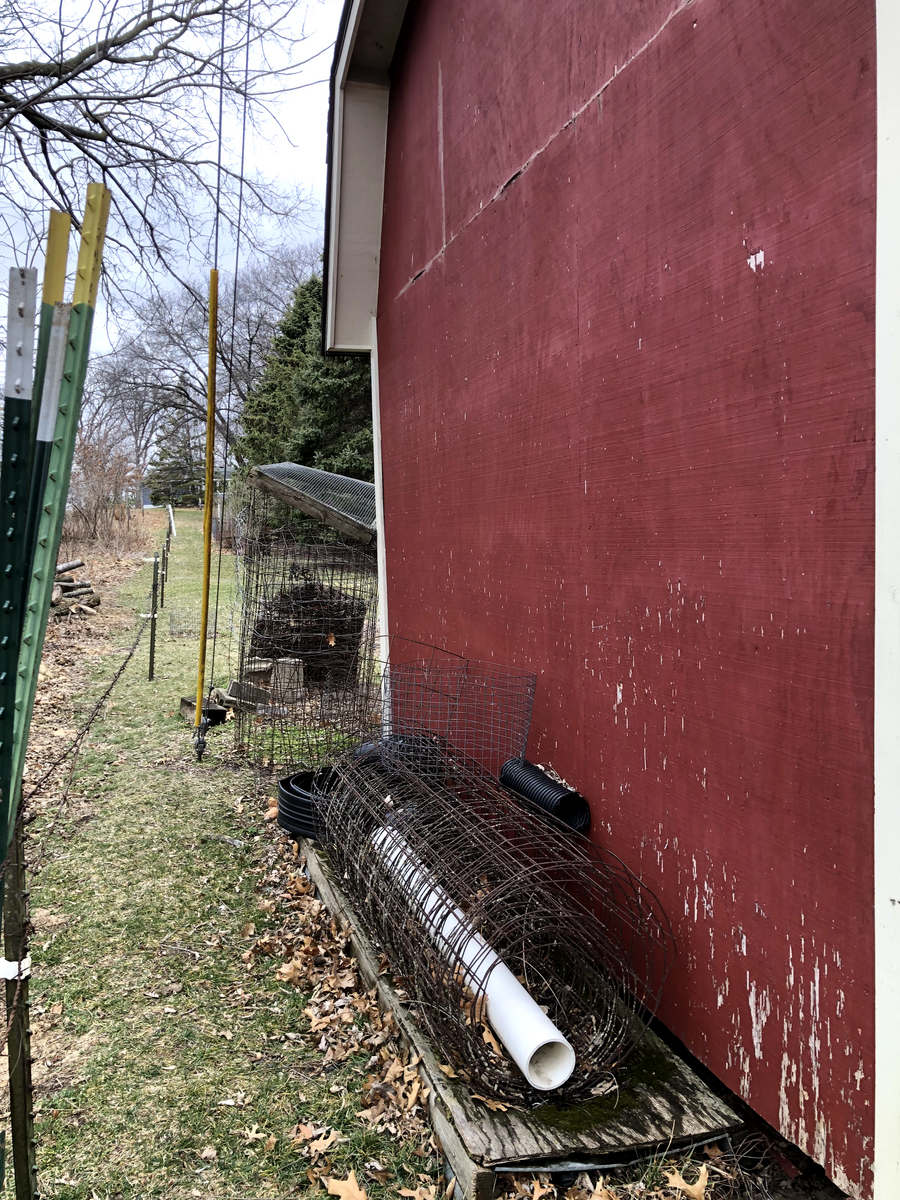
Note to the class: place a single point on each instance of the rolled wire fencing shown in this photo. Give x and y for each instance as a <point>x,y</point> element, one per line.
<point>435,852</point>
<point>588,941</point>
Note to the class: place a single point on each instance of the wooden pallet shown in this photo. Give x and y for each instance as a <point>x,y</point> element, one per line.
<point>659,1103</point>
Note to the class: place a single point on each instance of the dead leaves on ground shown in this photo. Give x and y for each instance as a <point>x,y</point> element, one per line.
<point>344,1018</point>
<point>693,1191</point>
<point>348,1188</point>
<point>584,1188</point>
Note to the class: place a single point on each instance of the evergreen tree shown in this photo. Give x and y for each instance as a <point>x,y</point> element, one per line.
<point>177,473</point>
<point>308,408</point>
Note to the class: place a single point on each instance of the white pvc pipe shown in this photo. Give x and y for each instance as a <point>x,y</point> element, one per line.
<point>534,1043</point>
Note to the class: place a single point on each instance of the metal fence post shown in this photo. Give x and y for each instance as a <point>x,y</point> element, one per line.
<point>153,599</point>
<point>18,1009</point>
<point>163,570</point>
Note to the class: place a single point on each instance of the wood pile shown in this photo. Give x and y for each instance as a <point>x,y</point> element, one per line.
<point>71,594</point>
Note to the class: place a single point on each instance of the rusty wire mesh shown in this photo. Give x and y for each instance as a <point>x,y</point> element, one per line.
<point>306,687</point>
<point>578,928</point>
<point>434,700</point>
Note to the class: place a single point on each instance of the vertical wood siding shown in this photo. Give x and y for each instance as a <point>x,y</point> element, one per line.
<point>626,344</point>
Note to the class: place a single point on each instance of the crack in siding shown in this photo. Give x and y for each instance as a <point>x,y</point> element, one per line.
<point>596,96</point>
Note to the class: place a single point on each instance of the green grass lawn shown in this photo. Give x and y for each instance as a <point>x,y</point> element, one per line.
<point>160,1055</point>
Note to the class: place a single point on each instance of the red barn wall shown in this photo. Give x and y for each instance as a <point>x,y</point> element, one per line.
<point>626,346</point>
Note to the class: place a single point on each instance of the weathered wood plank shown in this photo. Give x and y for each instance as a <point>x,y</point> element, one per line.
<point>659,1100</point>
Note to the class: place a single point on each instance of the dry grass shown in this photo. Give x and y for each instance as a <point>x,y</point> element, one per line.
<point>173,1053</point>
<point>161,1055</point>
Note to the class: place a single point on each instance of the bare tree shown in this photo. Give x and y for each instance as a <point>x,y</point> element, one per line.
<point>103,482</point>
<point>159,367</point>
<point>125,405</point>
<point>134,93</point>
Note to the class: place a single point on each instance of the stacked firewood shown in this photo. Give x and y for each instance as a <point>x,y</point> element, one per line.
<point>71,594</point>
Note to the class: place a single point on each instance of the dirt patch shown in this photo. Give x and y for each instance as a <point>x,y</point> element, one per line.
<point>58,1058</point>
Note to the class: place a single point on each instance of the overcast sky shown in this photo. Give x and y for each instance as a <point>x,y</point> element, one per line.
<point>297,155</point>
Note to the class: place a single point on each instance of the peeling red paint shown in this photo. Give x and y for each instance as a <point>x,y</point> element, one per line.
<point>628,413</point>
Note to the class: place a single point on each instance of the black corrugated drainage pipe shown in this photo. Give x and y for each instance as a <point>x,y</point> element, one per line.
<point>523,778</point>
<point>297,800</point>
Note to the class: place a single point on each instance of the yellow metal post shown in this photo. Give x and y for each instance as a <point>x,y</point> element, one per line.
<point>90,253</point>
<point>208,495</point>
<point>57,255</point>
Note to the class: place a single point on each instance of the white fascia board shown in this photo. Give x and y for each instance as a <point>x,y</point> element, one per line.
<point>887,610</point>
<point>359,137</point>
<point>383,628</point>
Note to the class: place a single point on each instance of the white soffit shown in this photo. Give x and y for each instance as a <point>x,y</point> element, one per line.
<point>356,178</point>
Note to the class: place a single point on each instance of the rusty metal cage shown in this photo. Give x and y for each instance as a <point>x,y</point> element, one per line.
<point>306,686</point>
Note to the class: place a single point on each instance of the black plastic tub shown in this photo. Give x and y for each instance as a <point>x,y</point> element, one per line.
<point>526,780</point>
<point>297,800</point>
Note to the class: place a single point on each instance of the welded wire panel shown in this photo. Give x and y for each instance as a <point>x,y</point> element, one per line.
<point>589,942</point>
<point>348,504</point>
<point>306,686</point>
<point>439,701</point>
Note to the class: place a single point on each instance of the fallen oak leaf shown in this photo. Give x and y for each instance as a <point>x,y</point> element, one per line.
<point>303,1133</point>
<point>347,1188</point>
<point>253,1135</point>
<point>270,1143</point>
<point>542,1189</point>
<point>694,1191</point>
<point>493,1105</point>
<point>488,1038</point>
<point>602,1193</point>
<point>209,1154</point>
<point>448,1071</point>
<point>321,1144</point>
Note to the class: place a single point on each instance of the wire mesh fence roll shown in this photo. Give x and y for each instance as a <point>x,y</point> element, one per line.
<point>441,861</point>
<point>534,785</point>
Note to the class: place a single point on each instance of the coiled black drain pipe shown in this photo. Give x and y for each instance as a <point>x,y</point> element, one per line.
<point>523,778</point>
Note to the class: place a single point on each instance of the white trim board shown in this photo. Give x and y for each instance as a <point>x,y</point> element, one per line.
<point>356,181</point>
<point>887,610</point>
<point>356,207</point>
<point>383,628</point>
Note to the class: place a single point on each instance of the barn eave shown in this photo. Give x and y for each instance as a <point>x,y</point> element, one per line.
<point>357,133</point>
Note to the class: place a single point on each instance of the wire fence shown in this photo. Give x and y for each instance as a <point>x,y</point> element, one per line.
<point>459,883</point>
<point>305,688</point>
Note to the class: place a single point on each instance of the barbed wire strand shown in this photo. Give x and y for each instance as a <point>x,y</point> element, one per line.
<point>22,818</point>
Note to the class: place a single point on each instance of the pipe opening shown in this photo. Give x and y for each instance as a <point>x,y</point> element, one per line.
<point>551,1065</point>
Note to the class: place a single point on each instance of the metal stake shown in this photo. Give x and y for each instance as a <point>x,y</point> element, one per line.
<point>154,596</point>
<point>18,1047</point>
